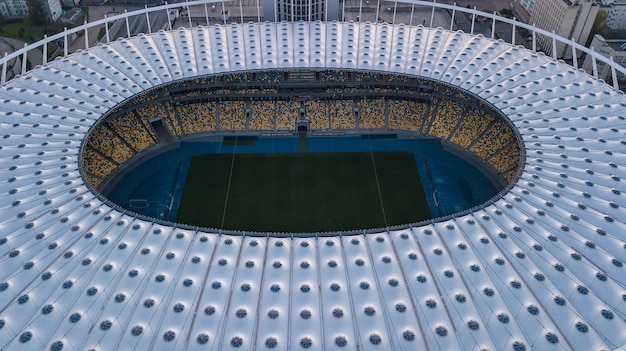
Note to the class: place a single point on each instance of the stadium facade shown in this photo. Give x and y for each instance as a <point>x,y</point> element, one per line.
<point>539,267</point>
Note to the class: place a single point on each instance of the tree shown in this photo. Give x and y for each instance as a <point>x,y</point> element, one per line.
<point>599,26</point>
<point>37,13</point>
<point>506,13</point>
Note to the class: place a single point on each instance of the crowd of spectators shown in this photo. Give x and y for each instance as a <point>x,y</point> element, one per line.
<point>470,127</point>
<point>262,115</point>
<point>133,131</point>
<point>241,77</point>
<point>333,76</point>
<point>271,77</point>
<point>342,114</point>
<point>105,141</point>
<point>447,114</point>
<point>96,166</point>
<point>371,114</point>
<point>148,96</point>
<point>317,112</point>
<point>147,112</point>
<point>506,159</point>
<point>197,117</point>
<point>286,114</point>
<point>406,115</point>
<point>232,115</point>
<point>451,114</point>
<point>498,135</point>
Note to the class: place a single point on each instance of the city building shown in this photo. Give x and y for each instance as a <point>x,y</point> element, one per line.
<point>523,9</point>
<point>13,9</point>
<point>16,9</point>
<point>616,11</point>
<point>608,48</point>
<point>301,10</point>
<point>569,19</point>
<point>53,8</point>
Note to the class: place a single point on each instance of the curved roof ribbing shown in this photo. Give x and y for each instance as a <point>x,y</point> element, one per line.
<point>541,267</point>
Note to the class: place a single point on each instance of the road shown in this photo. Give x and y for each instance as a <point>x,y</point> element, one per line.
<point>97,13</point>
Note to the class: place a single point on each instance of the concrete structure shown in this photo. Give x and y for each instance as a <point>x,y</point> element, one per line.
<point>569,19</point>
<point>616,11</point>
<point>609,48</point>
<point>13,9</point>
<point>539,266</point>
<point>53,8</point>
<point>523,9</point>
<point>301,10</point>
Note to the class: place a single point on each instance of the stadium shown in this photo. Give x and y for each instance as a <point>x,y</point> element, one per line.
<point>537,266</point>
<point>266,108</point>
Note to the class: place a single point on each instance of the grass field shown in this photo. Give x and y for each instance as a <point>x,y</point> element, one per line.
<point>302,192</point>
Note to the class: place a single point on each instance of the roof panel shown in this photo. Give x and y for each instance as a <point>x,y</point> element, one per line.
<point>540,264</point>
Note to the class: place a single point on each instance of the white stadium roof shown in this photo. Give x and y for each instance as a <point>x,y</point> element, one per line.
<point>539,268</point>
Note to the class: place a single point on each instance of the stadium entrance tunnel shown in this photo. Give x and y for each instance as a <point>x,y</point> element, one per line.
<point>303,125</point>
<point>269,124</point>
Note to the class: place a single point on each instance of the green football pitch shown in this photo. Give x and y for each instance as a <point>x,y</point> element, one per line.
<point>302,192</point>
